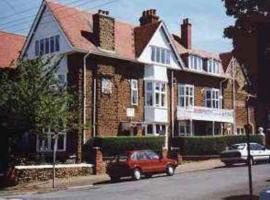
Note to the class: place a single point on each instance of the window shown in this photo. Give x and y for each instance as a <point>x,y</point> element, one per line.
<point>184,128</point>
<point>160,55</point>
<point>156,94</point>
<point>185,95</point>
<point>240,131</point>
<point>213,66</point>
<point>134,92</point>
<point>195,62</point>
<point>106,86</point>
<point>47,45</point>
<point>156,129</point>
<point>46,143</point>
<point>212,98</point>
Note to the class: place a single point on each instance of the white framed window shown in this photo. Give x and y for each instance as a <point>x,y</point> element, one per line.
<point>185,95</point>
<point>213,66</point>
<point>46,143</point>
<point>134,91</point>
<point>195,62</point>
<point>160,55</point>
<point>156,129</point>
<point>184,128</point>
<point>212,98</point>
<point>47,45</point>
<point>156,94</point>
<point>106,86</point>
<point>240,131</point>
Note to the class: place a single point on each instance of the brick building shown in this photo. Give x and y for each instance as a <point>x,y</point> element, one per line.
<point>138,79</point>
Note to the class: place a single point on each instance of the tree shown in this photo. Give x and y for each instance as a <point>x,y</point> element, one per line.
<point>32,100</point>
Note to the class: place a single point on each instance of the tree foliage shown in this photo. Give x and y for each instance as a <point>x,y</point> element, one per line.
<point>32,100</point>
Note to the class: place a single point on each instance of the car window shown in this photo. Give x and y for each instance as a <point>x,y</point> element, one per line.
<point>152,155</point>
<point>141,156</point>
<point>237,147</point>
<point>259,147</point>
<point>253,147</point>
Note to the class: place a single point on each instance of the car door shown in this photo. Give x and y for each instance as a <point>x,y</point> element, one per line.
<point>157,164</point>
<point>263,152</point>
<point>143,162</point>
<point>254,151</point>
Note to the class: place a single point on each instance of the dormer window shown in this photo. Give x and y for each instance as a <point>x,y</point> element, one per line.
<point>160,55</point>
<point>213,66</point>
<point>47,45</point>
<point>195,63</point>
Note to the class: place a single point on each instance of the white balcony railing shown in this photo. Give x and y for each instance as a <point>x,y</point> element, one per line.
<point>204,114</point>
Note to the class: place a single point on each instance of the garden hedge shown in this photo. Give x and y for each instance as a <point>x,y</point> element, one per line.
<point>197,145</point>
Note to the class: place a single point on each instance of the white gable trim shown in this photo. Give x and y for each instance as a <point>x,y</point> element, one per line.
<point>171,44</point>
<point>34,26</point>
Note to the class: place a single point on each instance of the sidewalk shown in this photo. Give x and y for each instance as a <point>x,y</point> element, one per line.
<point>89,181</point>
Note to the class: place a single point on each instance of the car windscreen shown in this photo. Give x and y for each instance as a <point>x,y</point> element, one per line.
<point>237,147</point>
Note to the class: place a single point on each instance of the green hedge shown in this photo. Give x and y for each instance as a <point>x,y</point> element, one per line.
<point>198,145</point>
<point>111,146</point>
<point>209,145</point>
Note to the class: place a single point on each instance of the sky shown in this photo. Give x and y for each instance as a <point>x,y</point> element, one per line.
<point>208,17</point>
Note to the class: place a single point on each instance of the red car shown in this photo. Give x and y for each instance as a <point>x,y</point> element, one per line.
<point>138,163</point>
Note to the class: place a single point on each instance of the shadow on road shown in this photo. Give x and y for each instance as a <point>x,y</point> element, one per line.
<point>240,197</point>
<point>122,180</point>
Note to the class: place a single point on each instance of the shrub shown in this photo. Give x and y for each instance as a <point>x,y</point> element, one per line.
<point>111,146</point>
<point>209,145</point>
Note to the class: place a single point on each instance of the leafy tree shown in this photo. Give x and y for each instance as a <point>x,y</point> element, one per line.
<point>33,101</point>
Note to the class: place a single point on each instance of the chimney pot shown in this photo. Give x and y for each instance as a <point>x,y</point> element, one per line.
<point>148,17</point>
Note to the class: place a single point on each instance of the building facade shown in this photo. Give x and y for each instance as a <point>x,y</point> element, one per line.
<point>137,79</point>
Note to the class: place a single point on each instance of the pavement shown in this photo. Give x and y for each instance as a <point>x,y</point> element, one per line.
<point>218,183</point>
<point>83,182</point>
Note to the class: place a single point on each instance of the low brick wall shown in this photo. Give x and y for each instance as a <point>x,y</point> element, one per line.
<point>24,174</point>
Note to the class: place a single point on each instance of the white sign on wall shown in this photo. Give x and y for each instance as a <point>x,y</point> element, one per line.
<point>130,112</point>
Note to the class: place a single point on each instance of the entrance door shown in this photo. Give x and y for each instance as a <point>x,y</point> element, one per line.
<point>3,150</point>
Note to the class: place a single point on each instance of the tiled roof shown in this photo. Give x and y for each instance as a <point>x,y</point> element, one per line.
<point>78,27</point>
<point>130,40</point>
<point>10,47</point>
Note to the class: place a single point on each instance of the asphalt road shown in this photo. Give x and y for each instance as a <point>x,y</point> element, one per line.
<point>220,183</point>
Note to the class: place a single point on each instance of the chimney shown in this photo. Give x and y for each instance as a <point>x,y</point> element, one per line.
<point>103,28</point>
<point>149,17</point>
<point>186,33</point>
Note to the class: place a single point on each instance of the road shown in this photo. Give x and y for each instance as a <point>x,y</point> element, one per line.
<point>220,183</point>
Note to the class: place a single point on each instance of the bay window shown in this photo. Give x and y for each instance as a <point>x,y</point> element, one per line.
<point>184,128</point>
<point>134,92</point>
<point>160,55</point>
<point>156,94</point>
<point>212,99</point>
<point>156,129</point>
<point>185,95</point>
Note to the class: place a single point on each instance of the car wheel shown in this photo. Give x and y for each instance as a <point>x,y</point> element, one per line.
<point>170,170</point>
<point>136,174</point>
<point>252,161</point>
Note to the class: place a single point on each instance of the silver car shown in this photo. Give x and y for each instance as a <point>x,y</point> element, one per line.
<point>237,153</point>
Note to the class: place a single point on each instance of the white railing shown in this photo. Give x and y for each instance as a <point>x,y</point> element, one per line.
<point>205,114</point>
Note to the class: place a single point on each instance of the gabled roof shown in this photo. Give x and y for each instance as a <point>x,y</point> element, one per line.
<point>143,34</point>
<point>10,47</point>
<point>78,27</point>
<point>226,59</point>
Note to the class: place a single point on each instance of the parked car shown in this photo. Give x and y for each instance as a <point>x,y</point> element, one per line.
<point>237,153</point>
<point>138,163</point>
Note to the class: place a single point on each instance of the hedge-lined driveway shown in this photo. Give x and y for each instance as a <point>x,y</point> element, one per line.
<point>220,183</point>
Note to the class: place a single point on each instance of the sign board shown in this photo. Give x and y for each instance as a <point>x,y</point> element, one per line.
<point>130,112</point>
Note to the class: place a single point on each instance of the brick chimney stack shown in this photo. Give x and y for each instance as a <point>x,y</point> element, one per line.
<point>149,17</point>
<point>186,34</point>
<point>104,27</point>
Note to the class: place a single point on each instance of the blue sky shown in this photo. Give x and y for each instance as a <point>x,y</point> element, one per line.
<point>207,16</point>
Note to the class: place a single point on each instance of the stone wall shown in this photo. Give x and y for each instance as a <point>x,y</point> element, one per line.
<point>24,174</point>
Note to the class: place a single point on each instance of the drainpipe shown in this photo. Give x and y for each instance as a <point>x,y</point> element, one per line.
<point>172,114</point>
<point>94,107</point>
<point>84,95</point>
<point>221,90</point>
<point>234,99</point>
